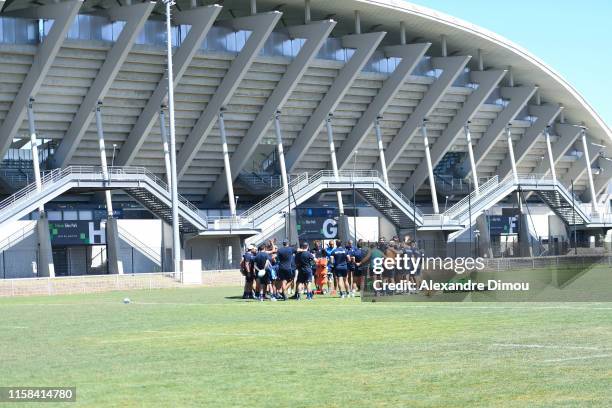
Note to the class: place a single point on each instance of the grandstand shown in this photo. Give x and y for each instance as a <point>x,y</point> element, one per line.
<point>385,117</point>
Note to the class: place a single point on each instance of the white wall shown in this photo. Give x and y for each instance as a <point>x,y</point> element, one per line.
<point>140,245</point>
<point>367,228</point>
<point>18,253</point>
<point>215,252</point>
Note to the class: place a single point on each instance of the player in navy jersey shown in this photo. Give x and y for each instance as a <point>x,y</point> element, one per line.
<point>285,257</point>
<point>340,260</point>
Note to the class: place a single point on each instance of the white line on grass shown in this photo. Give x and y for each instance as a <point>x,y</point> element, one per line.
<point>191,335</point>
<point>447,305</point>
<point>544,346</point>
<point>560,360</point>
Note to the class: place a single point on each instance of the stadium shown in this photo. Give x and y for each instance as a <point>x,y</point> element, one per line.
<point>383,117</point>
<point>149,147</point>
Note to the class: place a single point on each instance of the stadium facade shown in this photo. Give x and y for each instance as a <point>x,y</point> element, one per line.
<point>292,118</point>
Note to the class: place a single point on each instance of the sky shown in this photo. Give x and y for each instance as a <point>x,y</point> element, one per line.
<point>573,37</point>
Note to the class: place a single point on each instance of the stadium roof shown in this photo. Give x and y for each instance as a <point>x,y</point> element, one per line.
<point>531,96</point>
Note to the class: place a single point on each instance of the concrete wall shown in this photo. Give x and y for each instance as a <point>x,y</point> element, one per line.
<point>386,228</point>
<point>140,250</point>
<point>215,252</point>
<point>19,249</point>
<point>141,243</point>
<point>367,228</point>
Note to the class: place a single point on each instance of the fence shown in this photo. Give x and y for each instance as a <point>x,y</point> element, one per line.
<point>87,284</point>
<point>70,285</point>
<point>509,264</point>
<point>509,247</point>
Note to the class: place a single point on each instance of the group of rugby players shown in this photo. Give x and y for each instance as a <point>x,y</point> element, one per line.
<point>284,272</point>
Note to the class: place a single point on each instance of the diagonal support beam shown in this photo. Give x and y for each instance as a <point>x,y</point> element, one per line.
<point>315,35</point>
<point>519,97</point>
<point>546,114</point>
<point>604,177</point>
<point>261,25</point>
<point>578,168</point>
<point>411,55</point>
<point>487,81</point>
<point>567,136</point>
<point>364,45</point>
<point>135,18</point>
<point>63,15</point>
<point>5,4</point>
<point>451,68</point>
<point>201,20</point>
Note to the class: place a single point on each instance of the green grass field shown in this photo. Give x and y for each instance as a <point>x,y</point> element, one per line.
<point>202,347</point>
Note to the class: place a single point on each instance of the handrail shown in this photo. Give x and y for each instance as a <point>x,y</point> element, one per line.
<point>52,177</point>
<point>21,233</point>
<point>253,212</point>
<point>482,191</point>
<point>145,249</point>
<point>303,180</point>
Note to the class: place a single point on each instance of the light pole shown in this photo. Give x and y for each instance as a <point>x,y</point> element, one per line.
<point>443,213</point>
<point>114,151</point>
<point>355,200</point>
<point>176,238</point>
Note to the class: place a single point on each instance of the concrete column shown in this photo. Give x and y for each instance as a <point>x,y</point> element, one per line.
<point>164,138</point>
<point>480,60</point>
<point>381,150</point>
<point>34,147</point>
<point>587,158</point>
<point>45,253</point>
<point>332,152</point>
<point>226,163</point>
<point>551,159</point>
<point>510,77</point>
<point>281,152</point>
<point>444,45</point>
<point>112,233</point>
<point>112,247</point>
<point>513,163</point>
<point>484,238</point>
<point>511,153</point>
<point>307,17</point>
<point>357,22</point>
<point>468,136</point>
<point>402,33</point>
<point>103,163</point>
<point>253,7</point>
<point>432,180</point>
<point>525,241</point>
<point>176,236</point>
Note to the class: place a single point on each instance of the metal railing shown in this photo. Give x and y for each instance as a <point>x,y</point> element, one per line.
<point>457,183</point>
<point>17,236</point>
<point>271,201</point>
<point>297,186</point>
<point>483,191</point>
<point>51,179</point>
<point>261,180</point>
<point>134,242</point>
